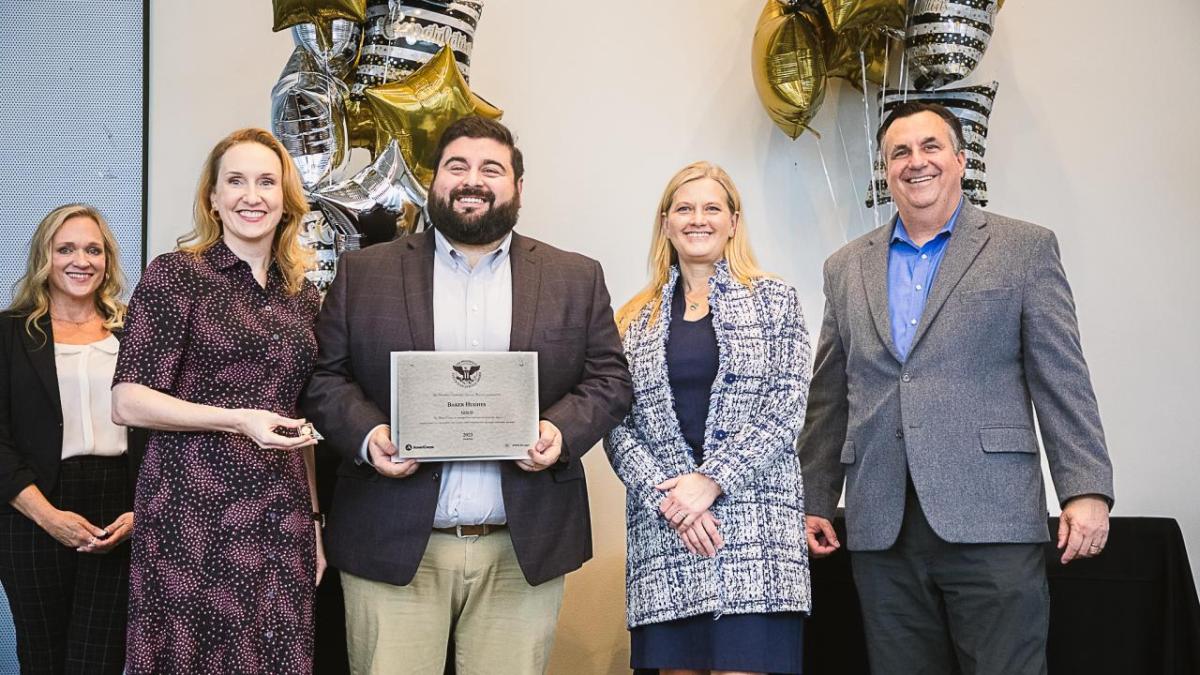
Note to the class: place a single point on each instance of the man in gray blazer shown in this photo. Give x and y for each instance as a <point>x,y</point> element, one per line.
<point>944,330</point>
<point>473,551</point>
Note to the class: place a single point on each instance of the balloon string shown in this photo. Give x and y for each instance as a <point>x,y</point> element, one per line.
<point>904,85</point>
<point>850,170</point>
<point>862,59</point>
<point>829,181</point>
<point>887,42</point>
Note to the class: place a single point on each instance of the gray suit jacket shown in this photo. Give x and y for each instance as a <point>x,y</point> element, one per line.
<point>998,338</point>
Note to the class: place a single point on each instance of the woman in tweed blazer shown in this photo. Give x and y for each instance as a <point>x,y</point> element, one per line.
<point>719,356</point>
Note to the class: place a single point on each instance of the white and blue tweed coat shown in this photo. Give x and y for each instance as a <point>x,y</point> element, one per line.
<point>756,410</point>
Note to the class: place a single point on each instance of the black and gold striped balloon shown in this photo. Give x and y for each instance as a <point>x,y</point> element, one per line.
<point>973,107</point>
<point>403,35</point>
<point>946,39</point>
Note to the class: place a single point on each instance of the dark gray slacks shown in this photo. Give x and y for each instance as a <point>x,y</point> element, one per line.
<point>935,608</point>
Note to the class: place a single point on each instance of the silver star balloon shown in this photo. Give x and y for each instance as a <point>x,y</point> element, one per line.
<point>386,183</point>
<point>368,208</point>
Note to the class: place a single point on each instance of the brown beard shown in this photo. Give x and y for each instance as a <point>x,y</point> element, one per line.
<point>474,230</point>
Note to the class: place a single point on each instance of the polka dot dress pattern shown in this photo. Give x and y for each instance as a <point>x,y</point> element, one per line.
<point>223,558</point>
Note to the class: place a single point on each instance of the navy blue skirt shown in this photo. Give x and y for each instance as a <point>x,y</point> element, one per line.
<point>757,643</point>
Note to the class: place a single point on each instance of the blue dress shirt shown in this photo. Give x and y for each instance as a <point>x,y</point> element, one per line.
<point>912,270</point>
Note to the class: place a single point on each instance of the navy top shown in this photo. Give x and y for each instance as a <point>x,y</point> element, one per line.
<point>691,368</point>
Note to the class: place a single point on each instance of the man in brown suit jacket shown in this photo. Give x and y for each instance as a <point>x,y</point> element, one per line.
<point>472,550</point>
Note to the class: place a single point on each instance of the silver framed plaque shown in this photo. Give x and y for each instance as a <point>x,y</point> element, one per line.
<point>464,406</point>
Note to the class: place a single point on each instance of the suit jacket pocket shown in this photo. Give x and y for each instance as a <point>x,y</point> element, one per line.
<point>1008,439</point>
<point>562,333</point>
<point>985,294</point>
<point>848,454</point>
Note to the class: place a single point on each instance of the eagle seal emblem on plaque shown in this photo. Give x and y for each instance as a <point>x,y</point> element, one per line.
<point>466,373</point>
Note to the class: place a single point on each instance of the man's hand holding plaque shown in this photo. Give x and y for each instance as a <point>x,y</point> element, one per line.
<point>383,452</point>
<point>545,453</point>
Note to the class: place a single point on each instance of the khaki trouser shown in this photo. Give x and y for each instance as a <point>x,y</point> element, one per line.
<point>469,589</point>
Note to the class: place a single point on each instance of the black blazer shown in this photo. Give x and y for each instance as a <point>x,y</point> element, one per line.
<point>31,413</point>
<point>382,301</point>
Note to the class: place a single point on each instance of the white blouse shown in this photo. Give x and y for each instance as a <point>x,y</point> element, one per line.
<point>85,374</point>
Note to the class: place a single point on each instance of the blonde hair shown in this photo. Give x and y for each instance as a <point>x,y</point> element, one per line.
<point>293,258</point>
<point>743,266</point>
<point>31,294</point>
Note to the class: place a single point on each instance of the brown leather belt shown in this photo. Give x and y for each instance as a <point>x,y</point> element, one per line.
<point>470,530</point>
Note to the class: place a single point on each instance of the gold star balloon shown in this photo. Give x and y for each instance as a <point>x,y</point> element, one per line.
<point>320,13</point>
<point>416,110</point>
<point>360,124</point>
<point>788,63</point>
<point>860,14</point>
<point>842,55</point>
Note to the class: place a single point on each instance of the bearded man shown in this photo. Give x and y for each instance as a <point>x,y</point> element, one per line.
<point>470,551</point>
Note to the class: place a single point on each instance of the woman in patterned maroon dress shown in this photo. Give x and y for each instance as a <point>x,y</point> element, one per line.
<point>218,343</point>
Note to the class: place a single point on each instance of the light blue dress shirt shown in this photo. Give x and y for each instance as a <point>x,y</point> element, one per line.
<point>472,311</point>
<point>912,270</point>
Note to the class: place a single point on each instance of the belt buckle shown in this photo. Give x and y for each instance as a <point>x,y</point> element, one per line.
<point>458,532</point>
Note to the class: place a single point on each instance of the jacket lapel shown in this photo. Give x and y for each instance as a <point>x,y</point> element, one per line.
<point>873,263</point>
<point>526,285</point>
<point>41,357</point>
<point>417,263</point>
<point>965,243</point>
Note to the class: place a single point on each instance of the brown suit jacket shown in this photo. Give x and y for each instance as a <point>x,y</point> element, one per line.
<point>382,301</point>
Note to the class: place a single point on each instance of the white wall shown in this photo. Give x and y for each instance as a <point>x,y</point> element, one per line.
<point>1093,135</point>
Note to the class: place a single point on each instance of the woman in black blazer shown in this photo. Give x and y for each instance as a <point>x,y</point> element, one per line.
<point>66,492</point>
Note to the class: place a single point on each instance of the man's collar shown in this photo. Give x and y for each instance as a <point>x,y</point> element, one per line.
<point>900,233</point>
<point>443,247</point>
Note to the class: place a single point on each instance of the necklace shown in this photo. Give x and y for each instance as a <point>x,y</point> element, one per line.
<point>75,323</point>
<point>692,305</point>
